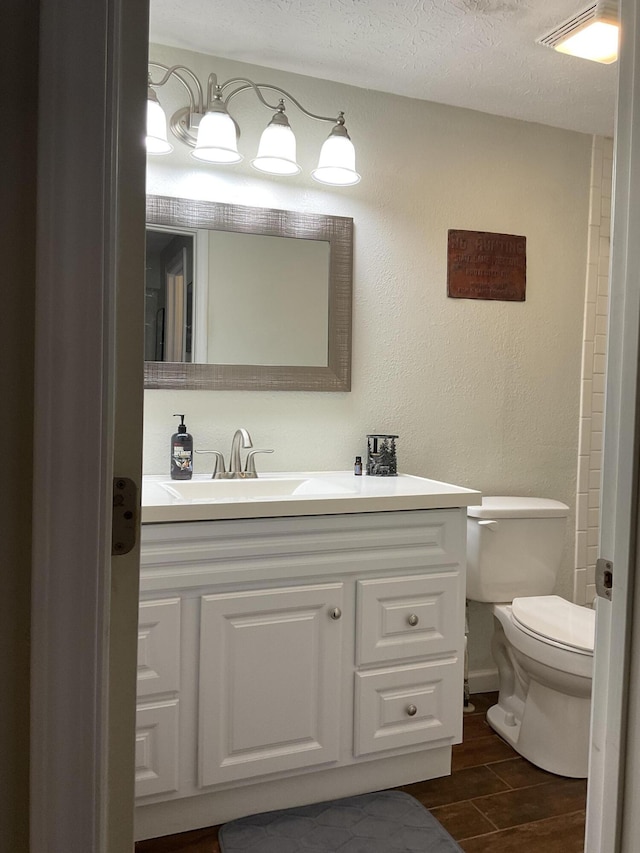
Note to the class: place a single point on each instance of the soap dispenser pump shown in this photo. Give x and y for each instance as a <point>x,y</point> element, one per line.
<point>181,453</point>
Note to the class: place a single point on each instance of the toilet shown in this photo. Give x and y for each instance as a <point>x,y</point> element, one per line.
<point>542,644</point>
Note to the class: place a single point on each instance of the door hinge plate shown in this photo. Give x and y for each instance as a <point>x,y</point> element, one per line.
<point>604,578</point>
<point>124,525</point>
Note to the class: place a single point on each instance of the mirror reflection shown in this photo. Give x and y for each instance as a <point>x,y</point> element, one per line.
<point>260,299</point>
<point>168,322</point>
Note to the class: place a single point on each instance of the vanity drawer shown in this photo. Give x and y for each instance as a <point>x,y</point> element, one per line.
<point>416,616</point>
<point>156,748</point>
<point>407,706</point>
<point>158,646</point>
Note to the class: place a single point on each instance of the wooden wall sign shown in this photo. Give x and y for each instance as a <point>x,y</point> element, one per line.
<point>482,265</point>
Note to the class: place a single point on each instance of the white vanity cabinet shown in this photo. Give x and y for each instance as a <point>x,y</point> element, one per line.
<point>292,660</point>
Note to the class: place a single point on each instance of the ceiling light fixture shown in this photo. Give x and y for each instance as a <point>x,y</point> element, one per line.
<point>213,134</point>
<point>591,34</point>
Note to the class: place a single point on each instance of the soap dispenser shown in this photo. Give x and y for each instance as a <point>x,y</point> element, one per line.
<point>181,453</point>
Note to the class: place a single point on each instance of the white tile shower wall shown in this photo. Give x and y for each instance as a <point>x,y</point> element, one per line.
<point>596,310</point>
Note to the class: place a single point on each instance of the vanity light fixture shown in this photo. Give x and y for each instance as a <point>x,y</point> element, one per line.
<point>591,34</point>
<point>207,127</point>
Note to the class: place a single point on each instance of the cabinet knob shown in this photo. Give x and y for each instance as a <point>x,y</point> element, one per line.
<point>336,613</point>
<point>413,620</point>
<point>412,710</point>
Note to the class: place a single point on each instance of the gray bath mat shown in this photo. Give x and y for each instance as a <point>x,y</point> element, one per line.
<point>386,822</point>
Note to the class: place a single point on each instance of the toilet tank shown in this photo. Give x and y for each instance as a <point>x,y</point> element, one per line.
<point>514,546</point>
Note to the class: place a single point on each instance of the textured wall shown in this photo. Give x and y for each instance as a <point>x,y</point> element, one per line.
<point>484,394</point>
<point>596,313</point>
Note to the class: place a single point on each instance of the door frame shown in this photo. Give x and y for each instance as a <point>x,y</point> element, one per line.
<point>617,664</point>
<point>621,485</point>
<point>90,257</point>
<point>90,59</point>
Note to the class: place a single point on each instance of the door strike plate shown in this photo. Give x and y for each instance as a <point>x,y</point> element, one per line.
<point>604,578</point>
<point>124,525</point>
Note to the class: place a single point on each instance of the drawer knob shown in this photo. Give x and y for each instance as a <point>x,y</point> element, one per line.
<point>413,620</point>
<point>412,710</point>
<point>336,613</point>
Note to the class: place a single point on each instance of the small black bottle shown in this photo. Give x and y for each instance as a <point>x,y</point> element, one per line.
<point>357,468</point>
<point>181,453</point>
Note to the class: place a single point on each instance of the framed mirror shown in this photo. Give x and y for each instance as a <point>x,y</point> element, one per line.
<point>246,298</point>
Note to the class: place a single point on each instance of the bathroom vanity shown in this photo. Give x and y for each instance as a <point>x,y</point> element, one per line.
<point>301,638</point>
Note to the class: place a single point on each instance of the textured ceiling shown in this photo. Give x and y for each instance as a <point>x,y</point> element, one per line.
<point>479,54</point>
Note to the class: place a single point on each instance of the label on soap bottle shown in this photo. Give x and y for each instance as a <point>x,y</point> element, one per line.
<point>181,459</point>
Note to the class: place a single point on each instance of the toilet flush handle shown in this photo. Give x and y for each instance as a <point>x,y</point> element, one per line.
<point>489,524</point>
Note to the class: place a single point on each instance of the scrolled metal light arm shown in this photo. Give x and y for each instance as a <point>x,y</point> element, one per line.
<point>257,87</point>
<point>207,126</point>
<point>172,71</point>
<point>183,123</point>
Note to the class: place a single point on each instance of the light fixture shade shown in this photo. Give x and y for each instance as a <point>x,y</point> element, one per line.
<point>157,142</point>
<point>217,139</point>
<point>597,41</point>
<point>277,148</point>
<point>591,34</point>
<point>337,163</point>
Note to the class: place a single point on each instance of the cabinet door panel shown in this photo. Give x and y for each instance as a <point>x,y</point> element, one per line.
<point>270,667</point>
<point>408,617</point>
<point>158,646</point>
<point>407,706</point>
<point>157,748</point>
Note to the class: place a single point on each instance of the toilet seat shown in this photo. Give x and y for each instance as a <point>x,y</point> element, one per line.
<point>543,649</point>
<point>554,620</point>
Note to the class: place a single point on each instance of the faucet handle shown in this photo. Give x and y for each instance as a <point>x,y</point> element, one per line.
<point>250,464</point>
<point>218,466</point>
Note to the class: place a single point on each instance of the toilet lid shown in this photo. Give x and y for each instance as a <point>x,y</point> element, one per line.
<point>518,507</point>
<point>557,619</point>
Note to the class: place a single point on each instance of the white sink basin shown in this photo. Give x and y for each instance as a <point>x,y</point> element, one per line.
<point>239,490</point>
<point>293,493</point>
<point>264,488</point>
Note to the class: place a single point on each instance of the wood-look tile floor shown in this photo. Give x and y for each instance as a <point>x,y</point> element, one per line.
<point>493,802</point>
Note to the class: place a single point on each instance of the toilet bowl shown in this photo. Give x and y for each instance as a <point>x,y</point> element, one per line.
<point>542,644</point>
<point>543,647</point>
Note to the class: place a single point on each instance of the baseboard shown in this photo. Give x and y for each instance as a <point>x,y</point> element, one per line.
<point>483,681</point>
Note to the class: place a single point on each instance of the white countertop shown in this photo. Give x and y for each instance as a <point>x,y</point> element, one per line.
<point>313,493</point>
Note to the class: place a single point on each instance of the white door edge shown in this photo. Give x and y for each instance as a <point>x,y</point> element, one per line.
<point>629,119</point>
<point>81,116</point>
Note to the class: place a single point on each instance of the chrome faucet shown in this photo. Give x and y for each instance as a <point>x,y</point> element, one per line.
<point>235,463</point>
<point>241,440</point>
